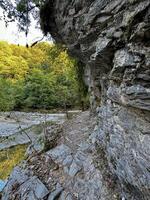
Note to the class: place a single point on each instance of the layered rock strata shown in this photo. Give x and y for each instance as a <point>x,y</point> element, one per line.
<point>112,40</point>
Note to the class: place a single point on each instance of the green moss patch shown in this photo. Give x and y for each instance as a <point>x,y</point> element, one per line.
<point>9,158</point>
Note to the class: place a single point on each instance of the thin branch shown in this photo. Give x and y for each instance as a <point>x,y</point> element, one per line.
<point>32,45</point>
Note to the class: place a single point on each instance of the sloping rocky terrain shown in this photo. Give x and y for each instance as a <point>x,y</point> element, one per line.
<point>68,170</point>
<point>111,38</point>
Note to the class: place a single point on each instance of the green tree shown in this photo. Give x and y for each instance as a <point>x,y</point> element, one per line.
<point>39,90</point>
<point>40,77</point>
<point>7,100</point>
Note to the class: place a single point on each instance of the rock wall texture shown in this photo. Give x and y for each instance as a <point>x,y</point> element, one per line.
<point>112,40</point>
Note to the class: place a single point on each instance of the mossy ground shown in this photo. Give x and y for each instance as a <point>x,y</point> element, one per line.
<point>9,158</point>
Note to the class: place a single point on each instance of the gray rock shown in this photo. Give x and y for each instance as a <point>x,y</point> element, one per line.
<point>60,153</point>
<point>80,157</point>
<point>66,196</point>
<point>23,185</point>
<point>74,169</point>
<point>55,194</point>
<point>9,125</point>
<point>33,186</point>
<point>111,38</point>
<point>36,146</point>
<point>85,147</point>
<point>69,197</point>
<point>68,160</point>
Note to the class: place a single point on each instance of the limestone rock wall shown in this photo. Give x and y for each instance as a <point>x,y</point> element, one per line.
<point>112,38</point>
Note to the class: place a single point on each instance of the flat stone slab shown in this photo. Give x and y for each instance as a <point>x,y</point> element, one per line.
<point>9,125</point>
<point>74,169</point>
<point>12,131</point>
<point>59,153</point>
<point>25,186</point>
<point>56,193</point>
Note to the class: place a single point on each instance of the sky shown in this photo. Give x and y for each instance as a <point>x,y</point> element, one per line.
<point>12,35</point>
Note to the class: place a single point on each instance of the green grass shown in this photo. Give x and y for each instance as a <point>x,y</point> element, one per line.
<point>9,158</point>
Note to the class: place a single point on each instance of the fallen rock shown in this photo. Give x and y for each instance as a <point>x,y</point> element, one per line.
<point>59,153</point>
<point>74,169</point>
<point>56,193</point>
<point>23,185</point>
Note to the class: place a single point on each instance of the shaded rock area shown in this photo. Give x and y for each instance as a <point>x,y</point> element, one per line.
<point>68,170</point>
<point>111,38</point>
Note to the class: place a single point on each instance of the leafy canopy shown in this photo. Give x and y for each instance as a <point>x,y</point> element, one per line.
<point>42,77</point>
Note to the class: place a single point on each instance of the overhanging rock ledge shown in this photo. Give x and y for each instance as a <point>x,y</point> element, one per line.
<point>112,39</point>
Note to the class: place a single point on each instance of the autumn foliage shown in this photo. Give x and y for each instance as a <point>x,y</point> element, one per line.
<point>41,77</point>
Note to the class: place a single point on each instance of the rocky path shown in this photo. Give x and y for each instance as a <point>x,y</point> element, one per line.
<point>77,131</point>
<point>67,171</point>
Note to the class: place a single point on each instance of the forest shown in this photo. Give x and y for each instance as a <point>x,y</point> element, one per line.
<point>39,77</point>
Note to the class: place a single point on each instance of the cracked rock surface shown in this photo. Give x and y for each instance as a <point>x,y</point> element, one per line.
<point>67,171</point>
<point>111,38</point>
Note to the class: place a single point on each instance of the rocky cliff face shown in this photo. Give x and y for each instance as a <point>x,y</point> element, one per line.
<point>112,40</point>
